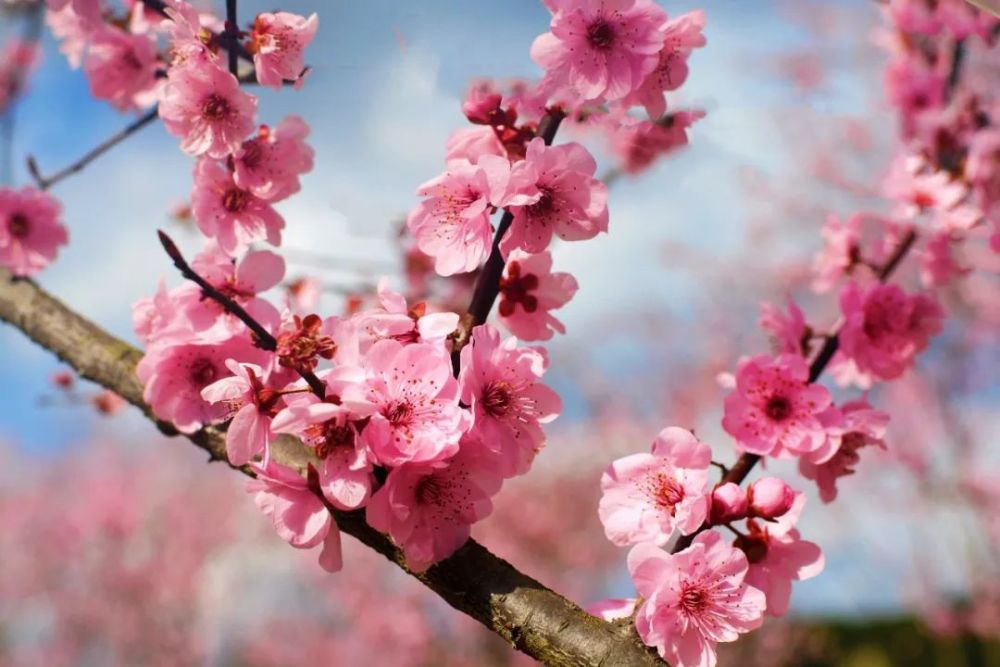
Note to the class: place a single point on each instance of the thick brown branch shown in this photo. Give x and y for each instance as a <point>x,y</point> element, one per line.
<point>533,618</point>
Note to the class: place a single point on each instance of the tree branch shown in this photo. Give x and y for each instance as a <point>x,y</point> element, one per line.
<point>746,462</point>
<point>533,618</point>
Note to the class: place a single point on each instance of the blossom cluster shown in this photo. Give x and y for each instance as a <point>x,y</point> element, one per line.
<point>940,194</point>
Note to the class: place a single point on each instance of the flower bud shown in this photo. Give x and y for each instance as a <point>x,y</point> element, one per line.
<point>770,498</point>
<point>729,503</point>
<point>482,107</point>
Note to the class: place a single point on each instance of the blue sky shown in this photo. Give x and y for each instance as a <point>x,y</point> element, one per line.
<point>382,98</point>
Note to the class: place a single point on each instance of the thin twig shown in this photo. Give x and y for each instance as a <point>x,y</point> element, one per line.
<point>262,336</point>
<point>746,462</point>
<point>232,34</point>
<point>46,182</point>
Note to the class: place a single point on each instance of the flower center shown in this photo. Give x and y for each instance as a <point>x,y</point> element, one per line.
<point>543,206</point>
<point>19,225</point>
<point>693,599</point>
<point>398,413</point>
<point>778,408</point>
<point>202,372</point>
<point>923,199</point>
<point>430,491</point>
<point>601,35</point>
<point>669,493</point>
<point>235,200</point>
<point>516,289</point>
<point>329,436</point>
<point>215,107</point>
<point>497,398</point>
<point>252,153</point>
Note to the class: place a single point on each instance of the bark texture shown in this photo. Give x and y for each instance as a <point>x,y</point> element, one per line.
<point>532,617</point>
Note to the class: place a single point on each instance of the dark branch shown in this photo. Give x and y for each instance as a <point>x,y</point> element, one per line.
<point>262,336</point>
<point>46,182</point>
<point>533,618</point>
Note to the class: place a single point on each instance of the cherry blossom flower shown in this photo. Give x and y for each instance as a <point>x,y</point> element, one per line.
<point>121,68</point>
<point>564,198</point>
<point>234,217</point>
<point>270,164</point>
<point>278,42</point>
<point>680,35</point>
<point>72,32</point>
<point>452,224</point>
<point>251,406</point>
<point>30,230</point>
<point>861,426</point>
<point>612,609</point>
<point>414,400</point>
<point>89,11</point>
<point>789,333</point>
<point>601,50</point>
<point>298,515</point>
<point>637,144</point>
<point>778,557</point>
<point>917,189</point>
<point>345,470</point>
<point>729,503</point>
<point>774,411</point>
<point>396,320</point>
<point>841,251</point>
<point>191,40</point>
<point>937,264</point>
<point>175,374</point>
<point>499,383</point>
<point>203,105</point>
<point>770,498</point>
<point>648,496</point>
<point>885,328</point>
<point>470,143</point>
<point>693,599</point>
<point>256,272</point>
<point>529,291</point>
<point>155,318</point>
<point>304,340</point>
<point>427,509</point>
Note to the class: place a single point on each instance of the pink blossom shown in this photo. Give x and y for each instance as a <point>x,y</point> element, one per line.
<point>680,35</point>
<point>89,11</point>
<point>251,406</point>
<point>234,217</point>
<point>30,230</point>
<point>564,198</point>
<point>428,509</point>
<point>774,411</point>
<point>770,498</point>
<point>648,496</point>
<point>601,50</point>
<point>937,264</point>
<point>729,503</point>
<point>256,272</point>
<point>394,319</point>
<point>778,557</point>
<point>269,165</point>
<point>841,251</point>
<point>693,599</point>
<point>191,40</point>
<point>345,470</point>
<point>203,105</point>
<point>884,328</point>
<point>298,515</point>
<point>175,374</point>
<point>529,292</point>
<point>278,42</point>
<point>789,333</point>
<point>861,426</point>
<point>470,143</point>
<point>612,609</point>
<point>108,402</point>
<point>154,318</point>
<point>452,224</point>
<point>499,383</point>
<point>121,68</point>
<point>414,400</point>
<point>637,144</point>
<point>917,189</point>
<point>72,31</point>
